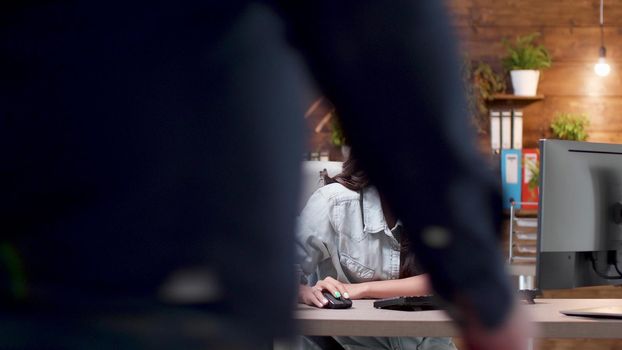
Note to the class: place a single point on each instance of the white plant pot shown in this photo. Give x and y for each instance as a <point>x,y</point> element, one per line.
<point>525,82</point>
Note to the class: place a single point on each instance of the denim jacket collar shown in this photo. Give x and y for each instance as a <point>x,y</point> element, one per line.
<point>373,217</point>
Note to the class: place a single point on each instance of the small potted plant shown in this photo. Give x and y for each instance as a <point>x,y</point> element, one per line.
<point>534,176</point>
<point>569,126</point>
<point>524,62</point>
<point>337,137</point>
<point>480,84</point>
<point>488,82</point>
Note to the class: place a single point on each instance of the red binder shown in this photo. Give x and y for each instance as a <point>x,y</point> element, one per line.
<point>531,163</point>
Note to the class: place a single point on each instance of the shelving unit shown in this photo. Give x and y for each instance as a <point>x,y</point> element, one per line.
<point>522,244</point>
<point>522,238</point>
<point>520,231</point>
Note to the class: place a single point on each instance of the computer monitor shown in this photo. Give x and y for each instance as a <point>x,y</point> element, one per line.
<point>580,215</point>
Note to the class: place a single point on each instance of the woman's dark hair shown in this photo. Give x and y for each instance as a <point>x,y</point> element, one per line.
<point>351,176</point>
<point>354,178</point>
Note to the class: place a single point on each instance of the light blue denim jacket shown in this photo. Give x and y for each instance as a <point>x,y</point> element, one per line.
<point>365,244</point>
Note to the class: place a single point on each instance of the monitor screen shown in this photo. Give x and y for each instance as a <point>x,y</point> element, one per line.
<point>580,214</point>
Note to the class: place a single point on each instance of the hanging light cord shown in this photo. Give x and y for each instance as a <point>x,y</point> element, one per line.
<point>602,23</point>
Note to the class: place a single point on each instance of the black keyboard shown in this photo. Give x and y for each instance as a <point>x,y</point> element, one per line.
<point>420,303</point>
<point>431,302</point>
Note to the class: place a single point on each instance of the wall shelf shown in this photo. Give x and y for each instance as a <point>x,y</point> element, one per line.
<point>510,97</point>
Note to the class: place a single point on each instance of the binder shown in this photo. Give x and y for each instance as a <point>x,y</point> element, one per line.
<point>506,129</point>
<point>495,131</point>
<point>511,177</point>
<point>529,195</point>
<point>517,129</point>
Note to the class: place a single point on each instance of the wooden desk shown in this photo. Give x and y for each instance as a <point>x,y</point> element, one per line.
<point>363,320</point>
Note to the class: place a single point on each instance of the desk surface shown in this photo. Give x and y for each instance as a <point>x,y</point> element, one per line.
<point>363,320</point>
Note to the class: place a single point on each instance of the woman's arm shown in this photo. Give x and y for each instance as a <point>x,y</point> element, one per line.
<point>411,286</point>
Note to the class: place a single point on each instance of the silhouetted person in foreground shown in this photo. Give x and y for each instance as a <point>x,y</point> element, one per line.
<point>139,141</point>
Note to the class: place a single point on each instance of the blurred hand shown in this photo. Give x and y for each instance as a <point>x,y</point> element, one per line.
<point>513,334</point>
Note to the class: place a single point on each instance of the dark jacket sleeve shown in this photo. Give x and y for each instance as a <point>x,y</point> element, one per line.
<point>390,68</point>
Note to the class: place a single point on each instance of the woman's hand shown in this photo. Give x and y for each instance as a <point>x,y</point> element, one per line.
<point>313,295</point>
<point>333,286</point>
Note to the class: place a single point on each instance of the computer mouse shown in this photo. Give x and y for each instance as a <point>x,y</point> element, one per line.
<point>336,303</point>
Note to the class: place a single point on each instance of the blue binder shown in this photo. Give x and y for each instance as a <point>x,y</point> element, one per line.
<point>511,174</point>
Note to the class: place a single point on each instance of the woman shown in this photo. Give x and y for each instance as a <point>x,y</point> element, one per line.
<point>355,224</point>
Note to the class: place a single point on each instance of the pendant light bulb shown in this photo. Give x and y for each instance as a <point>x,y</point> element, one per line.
<point>602,68</point>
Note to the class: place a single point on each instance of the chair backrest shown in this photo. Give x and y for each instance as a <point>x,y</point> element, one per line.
<point>310,178</point>
<point>310,182</point>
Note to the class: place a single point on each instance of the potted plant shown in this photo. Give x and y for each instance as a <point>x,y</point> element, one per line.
<point>524,62</point>
<point>534,178</point>
<point>337,137</point>
<point>480,84</point>
<point>487,81</point>
<point>569,126</point>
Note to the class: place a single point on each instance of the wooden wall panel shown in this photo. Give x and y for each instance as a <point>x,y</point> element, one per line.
<point>579,79</point>
<point>553,13</point>
<point>566,44</point>
<point>570,31</point>
<point>605,117</point>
